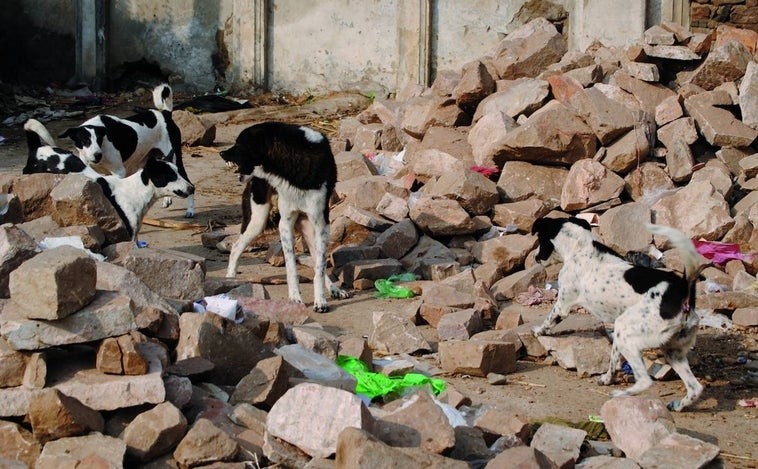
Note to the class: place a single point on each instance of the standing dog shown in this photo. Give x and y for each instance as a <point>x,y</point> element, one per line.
<point>649,308</point>
<point>131,196</point>
<point>119,146</point>
<point>297,163</point>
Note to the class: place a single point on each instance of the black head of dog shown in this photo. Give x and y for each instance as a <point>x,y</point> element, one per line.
<point>246,153</point>
<point>547,229</point>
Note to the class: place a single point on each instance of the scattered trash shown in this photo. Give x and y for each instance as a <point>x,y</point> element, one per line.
<point>720,253</point>
<point>596,418</point>
<point>711,287</point>
<point>142,244</point>
<point>223,305</point>
<point>751,402</point>
<point>5,202</point>
<point>498,231</point>
<point>535,296</point>
<point>486,171</point>
<point>595,429</point>
<point>374,385</point>
<point>627,368</point>
<point>2,139</point>
<point>74,241</point>
<point>710,318</point>
<point>386,288</point>
<point>386,165</point>
<point>741,360</point>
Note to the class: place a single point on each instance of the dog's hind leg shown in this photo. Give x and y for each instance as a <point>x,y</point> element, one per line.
<point>317,246</point>
<point>289,216</point>
<point>256,204</point>
<point>629,341</point>
<point>609,376</point>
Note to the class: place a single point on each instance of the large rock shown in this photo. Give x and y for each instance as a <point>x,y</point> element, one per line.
<point>440,216</point>
<point>619,227</point>
<point>154,432</point>
<point>109,314</point>
<point>725,62</point>
<point>520,180</point>
<point>233,348</point>
<point>95,449</point>
<point>322,412</point>
<point>390,333</point>
<point>485,137</point>
<point>475,84</point>
<point>697,209</point>
<point>205,443</point>
<point>717,125</point>
<point>514,98</point>
<point>508,252</point>
<point>589,183</point>
<point>636,424</point>
<point>608,118</point>
<point>553,135</point>
<point>17,443</point>
<point>526,51</point>
<point>265,383</point>
<point>15,247</point>
<point>416,421</point>
<point>477,357</point>
<point>169,273</point>
<point>54,415</point>
<point>472,190</point>
<point>748,99</point>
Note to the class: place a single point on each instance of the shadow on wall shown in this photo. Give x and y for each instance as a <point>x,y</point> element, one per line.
<point>30,55</point>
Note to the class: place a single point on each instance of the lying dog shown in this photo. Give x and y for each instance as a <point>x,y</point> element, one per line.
<point>44,156</point>
<point>649,308</point>
<point>119,146</point>
<point>131,196</point>
<point>297,163</point>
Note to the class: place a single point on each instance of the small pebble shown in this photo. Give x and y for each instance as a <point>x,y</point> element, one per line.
<point>496,379</point>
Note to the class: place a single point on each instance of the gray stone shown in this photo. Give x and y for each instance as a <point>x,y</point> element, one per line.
<point>205,443</point>
<point>441,217</point>
<point>559,443</point>
<point>15,247</point>
<point>416,421</point>
<point>697,209</point>
<point>477,358</point>
<point>322,412</point>
<point>53,284</point>
<point>619,228</point>
<point>94,449</point>
<point>514,97</point>
<point>725,62</point>
<point>589,183</point>
<point>636,424</point>
<point>520,180</point>
<point>527,50</point>
<point>608,118</point>
<point>390,333</point>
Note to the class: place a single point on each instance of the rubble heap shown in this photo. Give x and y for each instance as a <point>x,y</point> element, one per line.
<point>105,363</point>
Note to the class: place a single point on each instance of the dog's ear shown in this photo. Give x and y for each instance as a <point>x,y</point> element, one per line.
<point>78,135</point>
<point>546,230</point>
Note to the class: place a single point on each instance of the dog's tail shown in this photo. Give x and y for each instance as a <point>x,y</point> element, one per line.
<point>163,97</point>
<point>37,135</point>
<point>693,261</point>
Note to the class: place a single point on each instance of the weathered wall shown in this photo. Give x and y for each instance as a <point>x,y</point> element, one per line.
<point>295,46</point>
<point>707,15</point>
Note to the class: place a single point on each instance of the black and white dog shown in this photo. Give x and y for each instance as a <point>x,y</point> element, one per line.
<point>131,196</point>
<point>119,146</point>
<point>649,308</point>
<point>297,163</point>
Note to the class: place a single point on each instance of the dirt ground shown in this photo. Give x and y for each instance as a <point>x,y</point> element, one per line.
<point>535,389</point>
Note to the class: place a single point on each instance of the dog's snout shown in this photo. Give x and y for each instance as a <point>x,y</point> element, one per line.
<point>191,189</point>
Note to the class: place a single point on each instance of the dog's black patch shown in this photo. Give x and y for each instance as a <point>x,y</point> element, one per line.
<point>123,137</point>
<point>109,195</point>
<point>147,119</point>
<point>283,150</point>
<point>257,191</point>
<point>547,229</point>
<point>677,291</point>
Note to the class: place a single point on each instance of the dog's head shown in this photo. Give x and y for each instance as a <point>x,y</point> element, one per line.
<point>165,177</point>
<point>547,230</point>
<point>88,140</point>
<point>246,153</point>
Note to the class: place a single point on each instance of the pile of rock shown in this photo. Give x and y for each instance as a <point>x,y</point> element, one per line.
<point>105,363</point>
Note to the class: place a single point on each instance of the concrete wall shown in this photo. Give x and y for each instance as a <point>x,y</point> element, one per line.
<point>317,46</point>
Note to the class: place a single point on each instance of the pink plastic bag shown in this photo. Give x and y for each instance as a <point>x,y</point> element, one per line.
<point>720,253</point>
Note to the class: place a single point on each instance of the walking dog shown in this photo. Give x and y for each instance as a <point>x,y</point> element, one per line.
<point>131,196</point>
<point>120,146</point>
<point>649,308</point>
<point>297,163</point>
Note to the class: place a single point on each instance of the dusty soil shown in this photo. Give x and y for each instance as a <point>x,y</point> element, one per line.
<point>535,389</point>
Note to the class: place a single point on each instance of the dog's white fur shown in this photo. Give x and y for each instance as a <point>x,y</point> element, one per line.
<point>302,209</point>
<point>132,196</point>
<point>594,277</point>
<point>102,153</point>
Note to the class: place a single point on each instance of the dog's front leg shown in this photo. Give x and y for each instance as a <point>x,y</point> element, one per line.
<point>258,217</point>
<point>560,310</point>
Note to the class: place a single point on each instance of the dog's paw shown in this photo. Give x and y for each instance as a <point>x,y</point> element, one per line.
<point>339,294</point>
<point>619,393</point>
<point>539,330</point>
<point>189,214</point>
<point>606,379</point>
<point>320,308</point>
<point>675,405</point>
<point>167,201</point>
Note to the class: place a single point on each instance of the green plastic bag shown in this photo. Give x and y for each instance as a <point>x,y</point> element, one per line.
<point>386,288</point>
<point>376,384</point>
